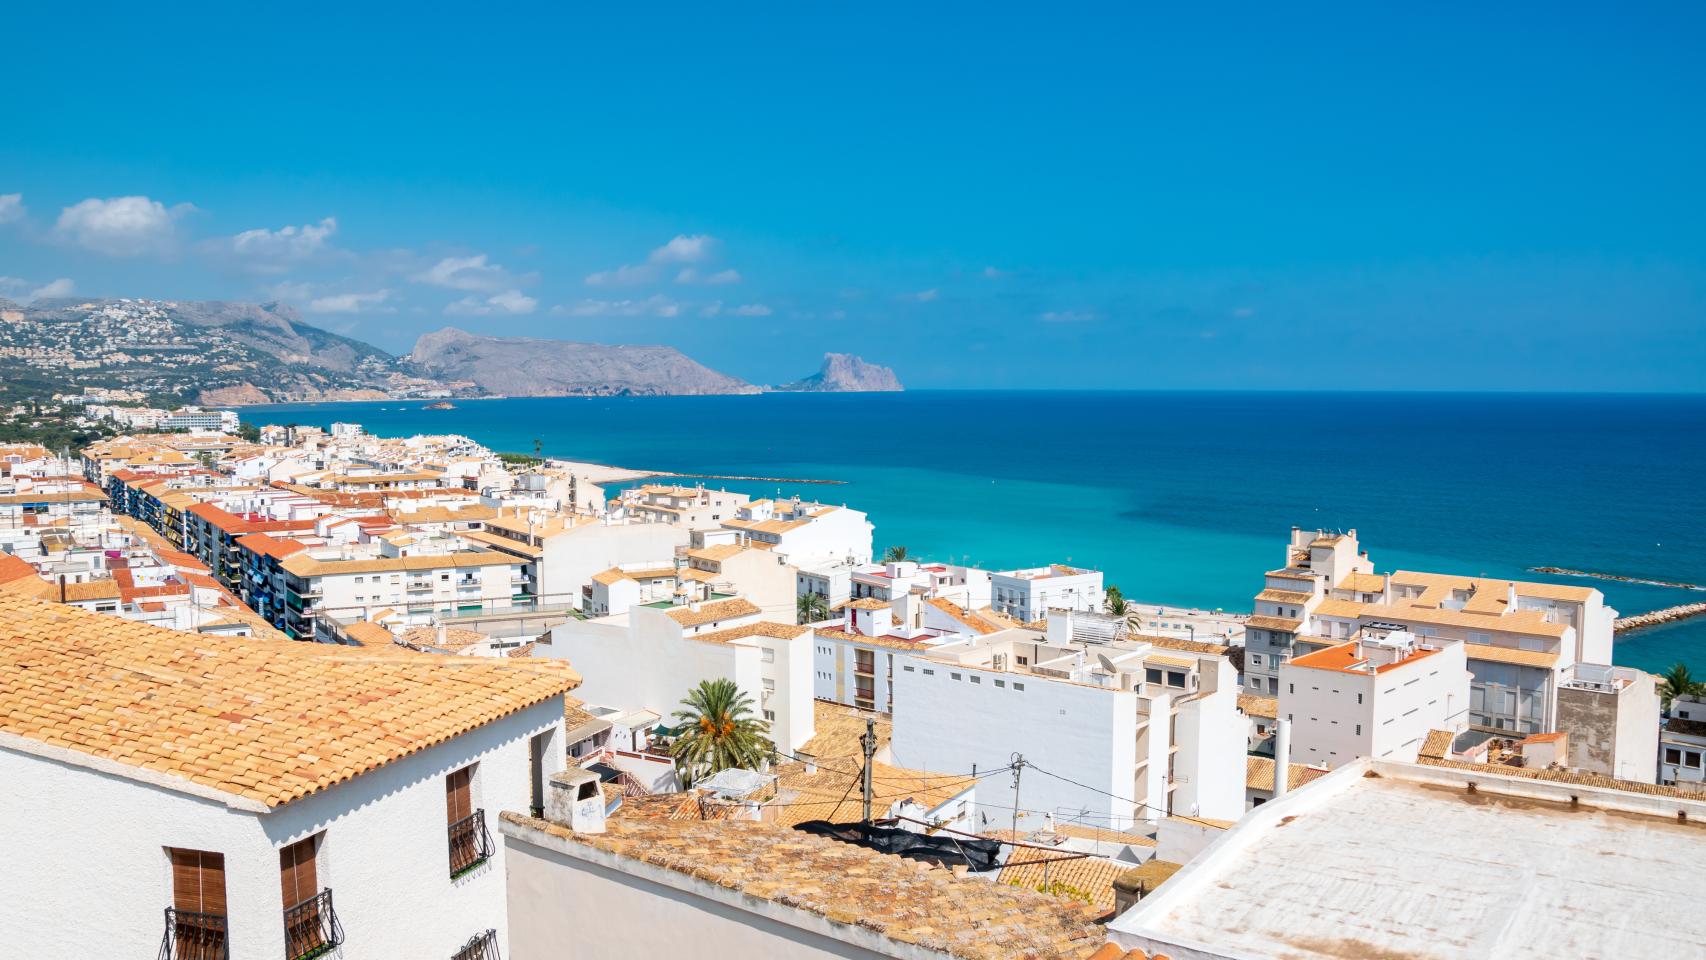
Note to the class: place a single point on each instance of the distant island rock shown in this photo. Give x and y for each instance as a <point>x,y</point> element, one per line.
<point>846,373</point>
<point>440,405</point>
<point>529,367</point>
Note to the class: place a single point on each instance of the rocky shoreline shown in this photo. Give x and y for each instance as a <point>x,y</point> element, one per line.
<point>1655,617</point>
<point>1567,572</point>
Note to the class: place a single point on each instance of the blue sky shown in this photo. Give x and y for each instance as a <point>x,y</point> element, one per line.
<point>1472,196</point>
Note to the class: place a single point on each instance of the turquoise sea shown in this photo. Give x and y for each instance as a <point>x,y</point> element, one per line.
<point>1182,498</point>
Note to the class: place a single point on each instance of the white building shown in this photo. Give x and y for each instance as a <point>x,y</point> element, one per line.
<point>808,534</point>
<point>560,552</point>
<point>1028,595</point>
<point>1522,639</point>
<point>197,420</point>
<point>1126,730</point>
<point>1385,859</point>
<point>1682,745</point>
<point>1612,717</point>
<point>346,431</point>
<point>188,794</point>
<point>651,656</point>
<point>1376,696</point>
<point>353,582</point>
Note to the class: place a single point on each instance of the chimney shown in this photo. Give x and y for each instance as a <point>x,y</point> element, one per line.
<point>442,634</point>
<point>1282,757</point>
<point>574,800</point>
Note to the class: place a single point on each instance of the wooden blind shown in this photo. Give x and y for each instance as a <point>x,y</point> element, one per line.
<point>459,794</point>
<point>297,873</point>
<point>198,881</point>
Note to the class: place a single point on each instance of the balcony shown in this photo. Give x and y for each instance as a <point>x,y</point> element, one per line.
<point>483,946</point>
<point>417,585</point>
<point>470,844</point>
<point>311,928</point>
<point>194,936</point>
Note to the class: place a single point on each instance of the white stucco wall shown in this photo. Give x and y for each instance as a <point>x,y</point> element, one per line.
<point>91,876</point>
<point>1083,733</point>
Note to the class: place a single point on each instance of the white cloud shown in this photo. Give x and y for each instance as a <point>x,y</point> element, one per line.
<point>685,249</point>
<point>121,226</point>
<point>288,290</point>
<point>654,306</point>
<point>751,310</point>
<point>922,296</point>
<point>509,301</point>
<point>682,249</point>
<point>711,309</point>
<point>63,287</point>
<point>12,286</point>
<point>466,273</point>
<point>993,273</point>
<point>1066,316</point>
<point>352,303</point>
<point>623,276</point>
<point>275,251</point>
<point>11,207</point>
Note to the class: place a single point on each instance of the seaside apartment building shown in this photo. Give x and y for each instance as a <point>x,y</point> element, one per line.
<point>807,534</point>
<point>694,508</point>
<point>1523,641</point>
<point>421,579</point>
<point>1375,696</point>
<point>191,796</point>
<point>1128,730</point>
<point>560,553</point>
<point>1027,595</point>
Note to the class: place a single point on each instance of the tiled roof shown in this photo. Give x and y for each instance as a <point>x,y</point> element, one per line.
<point>1437,744</point>
<point>1285,596</point>
<point>1259,774</point>
<point>716,610</point>
<point>369,633</point>
<point>763,628</point>
<point>1525,658</point>
<point>267,721</point>
<point>1561,776</point>
<point>1084,879</point>
<point>105,589</point>
<point>1183,645</point>
<point>869,603</point>
<point>1254,705</point>
<point>903,900</point>
<point>304,565</point>
<point>837,729</point>
<point>1282,624</point>
<point>717,553</point>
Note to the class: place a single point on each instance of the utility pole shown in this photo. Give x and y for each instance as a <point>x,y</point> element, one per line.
<point>869,742</point>
<point>1018,768</point>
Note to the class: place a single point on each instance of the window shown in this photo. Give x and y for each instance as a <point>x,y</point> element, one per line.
<point>907,668</point>
<point>1359,729</point>
<point>976,679</point>
<point>1255,659</point>
<point>954,675</point>
<point>769,655</point>
<point>929,672</point>
<point>1151,675</point>
<point>1018,686</point>
<point>1673,755</point>
<point>1001,683</point>
<point>309,926</point>
<point>469,843</point>
<point>769,685</point>
<point>196,923</point>
<point>482,946</point>
<point>1175,678</point>
<point>1691,758</point>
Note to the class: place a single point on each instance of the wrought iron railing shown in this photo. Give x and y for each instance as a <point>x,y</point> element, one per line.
<point>481,946</point>
<point>311,928</point>
<point>194,936</point>
<point>470,844</point>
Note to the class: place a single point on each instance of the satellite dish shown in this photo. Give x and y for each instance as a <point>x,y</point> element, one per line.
<point>1107,664</point>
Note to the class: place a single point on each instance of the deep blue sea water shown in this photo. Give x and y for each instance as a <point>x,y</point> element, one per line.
<point>1182,498</point>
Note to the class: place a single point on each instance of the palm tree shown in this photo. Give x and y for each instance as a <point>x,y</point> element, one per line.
<point>894,554</point>
<point>811,607</point>
<point>1115,603</point>
<point>1678,681</point>
<point>721,732</point>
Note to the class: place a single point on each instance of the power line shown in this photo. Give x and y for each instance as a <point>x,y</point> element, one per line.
<point>1116,796</point>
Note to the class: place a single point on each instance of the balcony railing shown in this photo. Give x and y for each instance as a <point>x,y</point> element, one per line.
<point>311,928</point>
<point>194,936</point>
<point>483,946</point>
<point>470,844</point>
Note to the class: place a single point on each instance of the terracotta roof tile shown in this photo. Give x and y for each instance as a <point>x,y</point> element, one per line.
<point>269,721</point>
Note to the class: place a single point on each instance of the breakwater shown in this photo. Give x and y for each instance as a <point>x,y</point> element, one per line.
<point>734,476</point>
<point>1619,578</point>
<point>1655,617</point>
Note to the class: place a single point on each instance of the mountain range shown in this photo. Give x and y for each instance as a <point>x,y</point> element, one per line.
<point>227,353</point>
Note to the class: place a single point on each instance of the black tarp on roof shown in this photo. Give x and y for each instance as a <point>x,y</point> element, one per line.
<point>606,773</point>
<point>945,850</point>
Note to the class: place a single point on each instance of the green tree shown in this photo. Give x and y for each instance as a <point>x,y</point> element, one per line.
<point>811,607</point>
<point>894,554</point>
<point>721,732</point>
<point>1678,681</point>
<point>1116,604</point>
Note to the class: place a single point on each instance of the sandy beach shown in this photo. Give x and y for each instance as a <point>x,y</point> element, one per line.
<point>599,473</point>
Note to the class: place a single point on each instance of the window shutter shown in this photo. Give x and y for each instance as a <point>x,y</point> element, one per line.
<point>296,872</point>
<point>458,794</point>
<point>198,881</point>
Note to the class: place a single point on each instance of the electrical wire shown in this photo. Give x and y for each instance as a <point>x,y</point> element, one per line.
<point>1140,803</point>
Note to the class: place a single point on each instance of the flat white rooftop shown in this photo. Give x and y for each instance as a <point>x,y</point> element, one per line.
<point>1411,865</point>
